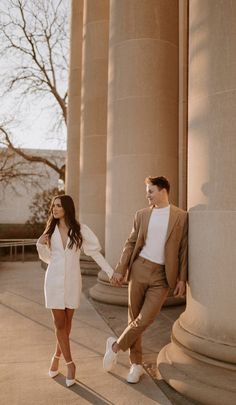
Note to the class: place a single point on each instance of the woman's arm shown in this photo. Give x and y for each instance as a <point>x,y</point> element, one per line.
<point>91,247</point>
<point>101,261</point>
<point>43,249</point>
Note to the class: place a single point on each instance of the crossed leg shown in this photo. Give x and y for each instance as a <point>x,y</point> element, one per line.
<point>148,289</point>
<point>140,319</point>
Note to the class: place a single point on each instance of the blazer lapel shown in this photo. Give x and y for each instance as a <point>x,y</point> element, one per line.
<point>146,220</point>
<point>172,220</point>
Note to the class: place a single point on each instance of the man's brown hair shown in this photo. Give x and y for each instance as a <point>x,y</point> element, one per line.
<point>161,182</point>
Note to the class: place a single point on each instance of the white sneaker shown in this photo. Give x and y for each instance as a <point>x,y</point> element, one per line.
<point>110,357</point>
<point>135,372</point>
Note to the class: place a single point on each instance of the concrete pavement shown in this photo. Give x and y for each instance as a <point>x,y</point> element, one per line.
<point>27,344</point>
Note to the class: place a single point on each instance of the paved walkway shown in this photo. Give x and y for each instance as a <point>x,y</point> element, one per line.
<point>27,343</point>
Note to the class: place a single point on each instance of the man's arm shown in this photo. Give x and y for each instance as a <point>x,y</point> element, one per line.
<point>183,252</point>
<point>180,287</point>
<point>128,249</point>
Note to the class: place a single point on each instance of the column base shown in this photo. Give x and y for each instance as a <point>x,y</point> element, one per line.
<point>103,291</point>
<point>198,377</point>
<point>88,266</point>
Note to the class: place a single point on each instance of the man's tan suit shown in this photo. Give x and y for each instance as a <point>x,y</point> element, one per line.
<point>149,282</point>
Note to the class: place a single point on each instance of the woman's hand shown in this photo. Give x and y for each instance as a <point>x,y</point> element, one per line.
<point>44,239</point>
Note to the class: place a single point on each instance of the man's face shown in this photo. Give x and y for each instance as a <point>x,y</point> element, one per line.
<point>153,194</point>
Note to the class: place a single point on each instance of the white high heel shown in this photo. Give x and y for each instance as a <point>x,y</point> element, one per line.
<point>69,382</point>
<point>52,373</point>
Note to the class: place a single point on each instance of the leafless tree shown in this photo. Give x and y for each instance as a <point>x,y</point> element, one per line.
<point>39,207</point>
<point>14,164</point>
<point>34,38</point>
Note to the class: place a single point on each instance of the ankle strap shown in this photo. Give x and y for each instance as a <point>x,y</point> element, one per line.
<point>69,362</point>
<point>56,357</point>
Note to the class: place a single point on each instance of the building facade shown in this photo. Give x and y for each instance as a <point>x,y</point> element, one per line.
<point>15,199</point>
<point>153,92</point>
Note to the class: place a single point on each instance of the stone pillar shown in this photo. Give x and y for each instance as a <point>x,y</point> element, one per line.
<point>183,101</point>
<point>94,116</point>
<point>142,114</point>
<point>200,362</point>
<point>74,102</point>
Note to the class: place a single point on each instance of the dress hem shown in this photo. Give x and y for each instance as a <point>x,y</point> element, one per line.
<point>62,307</point>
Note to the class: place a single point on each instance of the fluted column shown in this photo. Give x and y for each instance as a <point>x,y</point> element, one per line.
<point>74,102</point>
<point>142,114</point>
<point>201,360</point>
<point>183,101</point>
<point>94,116</point>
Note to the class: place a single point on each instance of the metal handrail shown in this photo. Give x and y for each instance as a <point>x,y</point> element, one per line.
<point>19,239</point>
<point>13,243</point>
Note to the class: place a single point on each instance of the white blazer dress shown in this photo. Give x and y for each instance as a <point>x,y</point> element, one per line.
<point>63,284</point>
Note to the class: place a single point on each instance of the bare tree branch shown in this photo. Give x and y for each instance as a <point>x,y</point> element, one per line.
<point>29,158</point>
<point>34,35</point>
<point>34,38</point>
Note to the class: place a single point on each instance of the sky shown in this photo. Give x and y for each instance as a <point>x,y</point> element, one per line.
<point>32,121</point>
<point>33,126</point>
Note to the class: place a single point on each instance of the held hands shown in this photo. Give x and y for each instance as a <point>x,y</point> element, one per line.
<point>117,279</point>
<point>44,239</point>
<point>180,289</point>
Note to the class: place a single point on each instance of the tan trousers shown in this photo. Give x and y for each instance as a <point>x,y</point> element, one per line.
<point>147,290</point>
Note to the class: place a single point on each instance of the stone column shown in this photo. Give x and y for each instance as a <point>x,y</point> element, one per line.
<point>200,362</point>
<point>142,115</point>
<point>74,102</point>
<point>94,116</point>
<point>183,101</point>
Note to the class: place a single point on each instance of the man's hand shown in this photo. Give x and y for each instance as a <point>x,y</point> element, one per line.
<point>117,279</point>
<point>180,289</point>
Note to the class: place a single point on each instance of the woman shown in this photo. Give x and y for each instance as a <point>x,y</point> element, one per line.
<point>60,246</point>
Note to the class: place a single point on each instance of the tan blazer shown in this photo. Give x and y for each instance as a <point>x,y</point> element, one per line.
<point>176,245</point>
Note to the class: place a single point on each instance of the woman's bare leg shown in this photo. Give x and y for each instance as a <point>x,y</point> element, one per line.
<point>69,316</point>
<point>55,361</point>
<point>63,321</point>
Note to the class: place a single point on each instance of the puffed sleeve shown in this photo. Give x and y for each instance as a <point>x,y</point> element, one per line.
<point>92,247</point>
<point>44,252</point>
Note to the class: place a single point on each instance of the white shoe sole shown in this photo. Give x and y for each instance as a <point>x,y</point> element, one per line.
<point>133,382</point>
<point>130,379</point>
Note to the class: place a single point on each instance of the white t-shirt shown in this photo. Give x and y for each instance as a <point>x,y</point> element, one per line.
<point>156,236</point>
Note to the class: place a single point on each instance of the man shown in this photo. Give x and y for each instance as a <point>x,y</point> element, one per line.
<point>155,255</point>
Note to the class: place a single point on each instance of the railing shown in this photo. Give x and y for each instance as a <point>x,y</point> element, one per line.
<point>14,243</point>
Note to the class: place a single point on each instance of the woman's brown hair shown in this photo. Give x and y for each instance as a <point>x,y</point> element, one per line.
<point>74,232</point>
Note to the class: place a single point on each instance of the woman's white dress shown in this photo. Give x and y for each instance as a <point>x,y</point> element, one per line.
<point>62,285</point>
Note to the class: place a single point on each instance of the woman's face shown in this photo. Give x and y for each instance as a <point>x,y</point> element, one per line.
<point>57,209</point>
